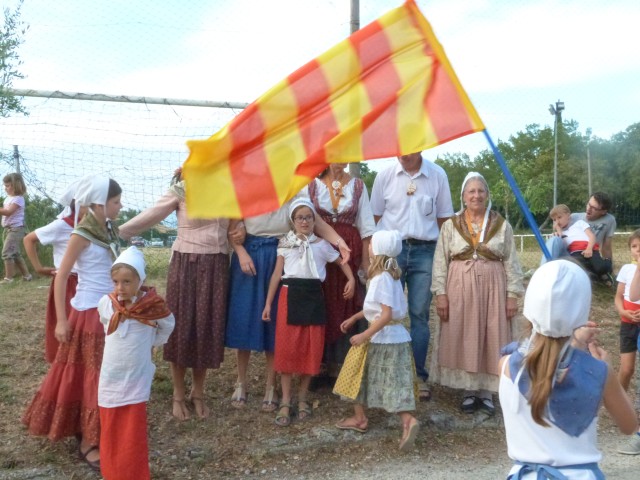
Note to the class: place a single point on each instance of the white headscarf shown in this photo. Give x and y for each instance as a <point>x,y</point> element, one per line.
<point>135,259</point>
<point>67,197</point>
<point>558,299</point>
<point>477,176</point>
<point>91,189</point>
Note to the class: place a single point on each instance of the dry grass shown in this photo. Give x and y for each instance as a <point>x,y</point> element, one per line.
<point>234,443</point>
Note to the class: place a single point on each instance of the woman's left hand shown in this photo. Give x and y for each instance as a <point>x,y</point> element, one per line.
<point>512,307</point>
<point>345,251</point>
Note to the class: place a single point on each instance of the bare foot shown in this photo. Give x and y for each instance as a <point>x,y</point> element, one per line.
<point>200,407</point>
<point>180,410</point>
<point>352,423</point>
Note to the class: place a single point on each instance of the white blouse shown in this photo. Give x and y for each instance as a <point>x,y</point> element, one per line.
<point>295,265</point>
<point>364,218</point>
<point>384,290</point>
<point>127,368</point>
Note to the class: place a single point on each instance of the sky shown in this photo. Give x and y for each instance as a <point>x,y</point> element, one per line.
<point>513,57</point>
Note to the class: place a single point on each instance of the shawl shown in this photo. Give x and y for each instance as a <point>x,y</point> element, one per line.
<point>145,310</point>
<point>291,240</point>
<point>494,223</point>
<point>105,236</point>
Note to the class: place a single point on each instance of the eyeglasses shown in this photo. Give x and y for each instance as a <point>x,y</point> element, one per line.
<point>308,219</point>
<point>593,207</point>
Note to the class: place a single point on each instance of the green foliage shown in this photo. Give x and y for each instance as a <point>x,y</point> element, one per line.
<point>11,37</point>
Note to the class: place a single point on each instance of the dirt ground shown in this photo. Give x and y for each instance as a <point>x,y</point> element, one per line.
<point>245,443</point>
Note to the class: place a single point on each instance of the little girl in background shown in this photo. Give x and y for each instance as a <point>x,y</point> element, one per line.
<point>135,320</point>
<point>12,213</point>
<point>57,234</point>
<point>378,371</point>
<point>552,386</point>
<point>300,324</point>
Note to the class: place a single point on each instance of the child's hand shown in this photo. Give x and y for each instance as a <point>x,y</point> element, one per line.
<point>266,314</point>
<point>586,335</point>
<point>347,324</point>
<point>598,352</point>
<point>359,339</point>
<point>634,315</point>
<point>349,289</point>
<point>588,253</point>
<point>62,330</point>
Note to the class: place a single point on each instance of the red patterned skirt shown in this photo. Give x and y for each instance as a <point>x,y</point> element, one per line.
<point>67,402</point>
<point>50,342</point>
<point>298,348</point>
<point>197,288</point>
<point>339,309</point>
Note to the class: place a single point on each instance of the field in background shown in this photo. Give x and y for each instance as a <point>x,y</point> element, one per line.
<point>245,443</point>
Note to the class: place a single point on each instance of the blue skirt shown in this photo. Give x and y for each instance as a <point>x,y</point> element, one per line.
<point>247,294</point>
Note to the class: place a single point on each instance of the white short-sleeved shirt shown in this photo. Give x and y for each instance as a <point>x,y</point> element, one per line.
<point>575,232</point>
<point>127,368</point>
<point>56,233</point>
<point>94,277</point>
<point>17,218</point>
<point>414,216</point>
<point>384,290</point>
<point>625,275</point>
<point>603,227</point>
<point>531,442</point>
<point>296,267</point>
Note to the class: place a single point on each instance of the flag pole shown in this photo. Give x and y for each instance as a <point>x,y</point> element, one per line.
<point>519,198</point>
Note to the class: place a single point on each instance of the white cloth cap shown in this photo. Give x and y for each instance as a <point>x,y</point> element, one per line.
<point>386,242</point>
<point>471,176</point>
<point>134,258</point>
<point>558,299</point>
<point>300,202</point>
<point>92,189</point>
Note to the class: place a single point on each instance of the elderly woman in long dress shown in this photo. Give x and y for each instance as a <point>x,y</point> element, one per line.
<point>477,279</point>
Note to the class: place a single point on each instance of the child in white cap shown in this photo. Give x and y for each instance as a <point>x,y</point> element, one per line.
<point>300,323</point>
<point>135,319</point>
<point>379,371</point>
<point>552,386</point>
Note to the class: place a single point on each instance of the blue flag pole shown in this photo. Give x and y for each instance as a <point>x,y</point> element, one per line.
<point>520,199</point>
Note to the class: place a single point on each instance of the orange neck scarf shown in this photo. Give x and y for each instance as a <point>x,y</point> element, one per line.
<point>145,310</point>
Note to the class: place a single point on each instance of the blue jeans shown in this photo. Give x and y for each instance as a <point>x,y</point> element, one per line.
<point>416,262</point>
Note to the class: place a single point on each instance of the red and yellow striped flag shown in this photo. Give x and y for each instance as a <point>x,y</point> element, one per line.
<point>387,90</point>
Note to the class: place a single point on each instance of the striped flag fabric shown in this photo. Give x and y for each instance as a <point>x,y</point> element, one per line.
<point>386,90</point>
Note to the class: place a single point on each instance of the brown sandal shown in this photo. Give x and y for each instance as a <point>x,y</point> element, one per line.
<point>93,464</point>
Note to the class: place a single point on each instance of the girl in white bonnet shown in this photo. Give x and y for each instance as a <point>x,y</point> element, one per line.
<point>379,371</point>
<point>552,386</point>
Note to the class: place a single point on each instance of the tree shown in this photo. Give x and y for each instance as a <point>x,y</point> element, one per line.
<point>11,37</point>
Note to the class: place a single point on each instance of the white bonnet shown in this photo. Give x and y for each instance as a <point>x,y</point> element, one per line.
<point>386,242</point>
<point>471,176</point>
<point>300,202</point>
<point>558,299</point>
<point>92,189</point>
<point>134,258</point>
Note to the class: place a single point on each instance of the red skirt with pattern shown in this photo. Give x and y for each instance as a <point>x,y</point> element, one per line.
<point>67,402</point>
<point>298,348</point>
<point>50,342</point>
<point>339,309</point>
